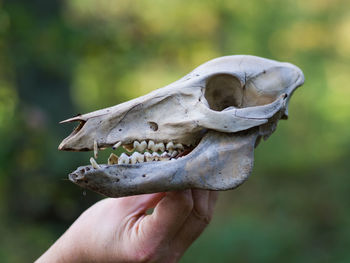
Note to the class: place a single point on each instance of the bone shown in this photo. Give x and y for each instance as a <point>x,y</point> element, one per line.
<point>95,149</point>
<point>94,164</point>
<point>112,159</point>
<point>116,146</point>
<point>123,159</point>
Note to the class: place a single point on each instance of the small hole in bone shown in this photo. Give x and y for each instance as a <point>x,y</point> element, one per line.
<point>120,129</point>
<point>117,180</point>
<point>143,175</point>
<point>153,126</point>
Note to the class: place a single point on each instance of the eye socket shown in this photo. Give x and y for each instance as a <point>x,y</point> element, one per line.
<point>223,91</point>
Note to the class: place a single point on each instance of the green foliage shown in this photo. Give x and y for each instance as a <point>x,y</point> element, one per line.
<point>58,58</point>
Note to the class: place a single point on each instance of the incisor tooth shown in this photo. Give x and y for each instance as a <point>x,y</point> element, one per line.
<point>94,164</point>
<point>123,159</point>
<point>115,146</point>
<point>95,149</point>
<point>113,159</point>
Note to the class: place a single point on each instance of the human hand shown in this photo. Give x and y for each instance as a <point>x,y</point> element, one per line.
<point>119,230</point>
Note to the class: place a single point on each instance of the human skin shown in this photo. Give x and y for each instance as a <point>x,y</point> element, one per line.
<point>120,230</point>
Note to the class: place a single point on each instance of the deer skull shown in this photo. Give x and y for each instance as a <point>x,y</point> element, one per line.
<point>198,132</point>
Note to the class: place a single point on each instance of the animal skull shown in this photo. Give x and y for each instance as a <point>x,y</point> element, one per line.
<point>202,129</point>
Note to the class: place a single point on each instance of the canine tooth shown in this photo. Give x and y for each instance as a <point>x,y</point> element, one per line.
<point>94,164</point>
<point>148,157</point>
<point>95,149</point>
<point>150,145</point>
<point>115,146</point>
<point>170,146</point>
<point>123,159</point>
<point>113,159</point>
<point>179,146</point>
<point>159,147</point>
<point>128,147</point>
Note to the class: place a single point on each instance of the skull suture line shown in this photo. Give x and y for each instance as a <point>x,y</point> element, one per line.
<point>202,129</point>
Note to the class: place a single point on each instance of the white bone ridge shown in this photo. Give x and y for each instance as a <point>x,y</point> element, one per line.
<point>198,132</point>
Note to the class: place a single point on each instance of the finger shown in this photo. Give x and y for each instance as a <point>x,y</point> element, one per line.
<point>213,198</point>
<point>133,205</point>
<point>200,201</point>
<point>197,221</point>
<point>168,216</point>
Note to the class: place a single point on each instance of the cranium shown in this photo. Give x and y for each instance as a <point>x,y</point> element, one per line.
<point>202,129</point>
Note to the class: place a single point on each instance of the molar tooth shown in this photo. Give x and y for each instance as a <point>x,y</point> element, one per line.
<point>123,159</point>
<point>173,154</point>
<point>115,146</point>
<point>170,146</point>
<point>94,164</point>
<point>143,146</point>
<point>150,145</point>
<point>155,156</point>
<point>113,159</point>
<point>140,146</point>
<point>136,157</point>
<point>133,158</point>
<point>164,156</point>
<point>159,147</point>
<point>179,146</point>
<point>148,157</point>
<point>95,149</point>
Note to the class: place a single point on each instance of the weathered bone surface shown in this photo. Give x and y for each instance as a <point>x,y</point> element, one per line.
<point>198,132</point>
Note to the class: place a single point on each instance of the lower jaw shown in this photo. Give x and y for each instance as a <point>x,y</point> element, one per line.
<point>221,161</point>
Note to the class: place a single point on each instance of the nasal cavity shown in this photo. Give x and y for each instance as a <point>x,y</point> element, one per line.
<point>223,91</point>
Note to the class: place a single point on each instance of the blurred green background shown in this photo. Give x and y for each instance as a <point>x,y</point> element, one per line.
<point>59,58</point>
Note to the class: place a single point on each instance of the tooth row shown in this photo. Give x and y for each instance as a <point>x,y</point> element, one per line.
<point>137,157</point>
<point>141,146</point>
<point>151,145</point>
